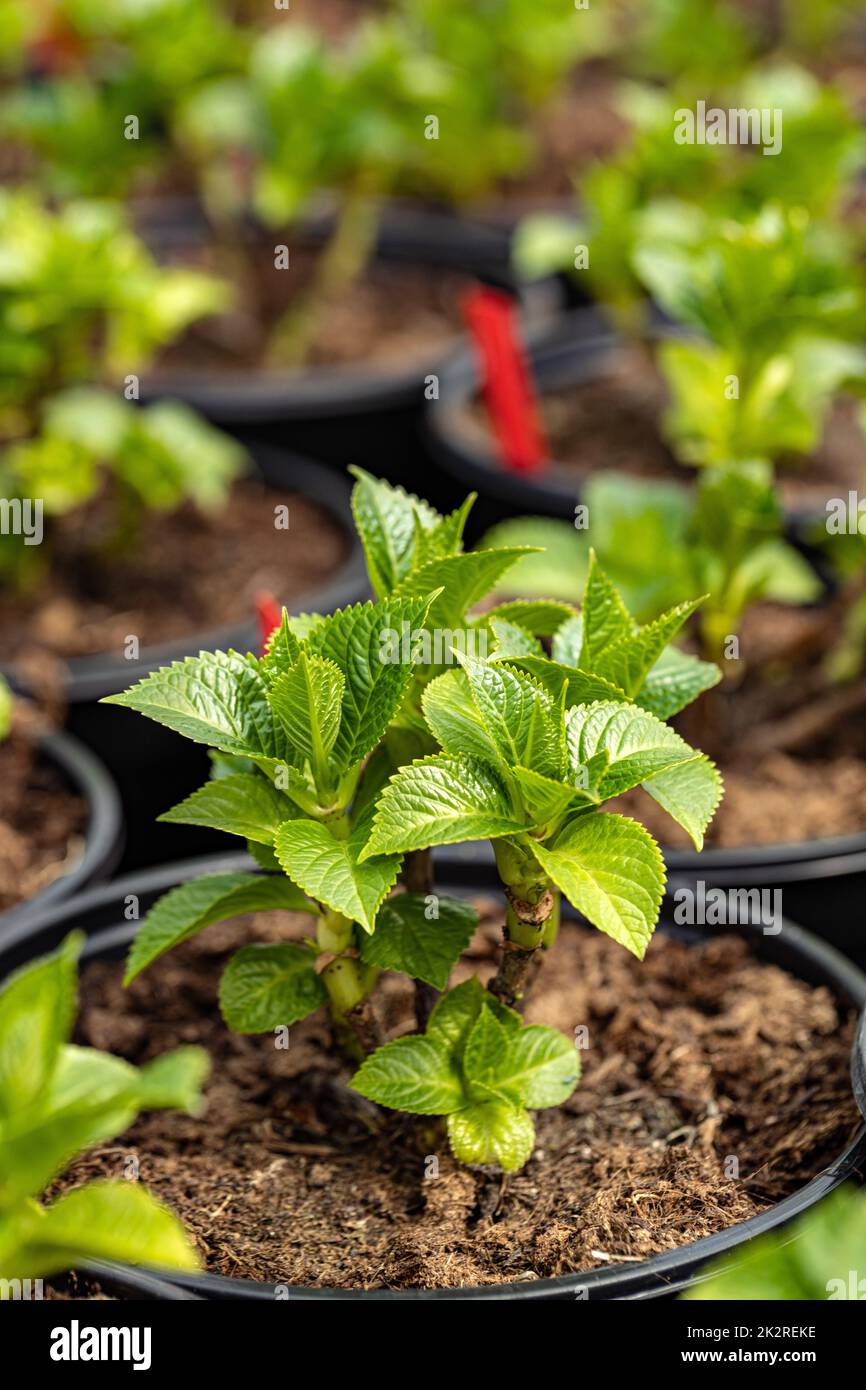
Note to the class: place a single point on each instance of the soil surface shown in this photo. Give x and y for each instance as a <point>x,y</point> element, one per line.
<point>695,1058</point>
<point>394,315</point>
<point>612,421</point>
<point>42,822</point>
<point>186,571</point>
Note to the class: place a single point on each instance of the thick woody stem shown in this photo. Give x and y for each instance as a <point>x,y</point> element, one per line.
<point>418,878</point>
<point>527,926</point>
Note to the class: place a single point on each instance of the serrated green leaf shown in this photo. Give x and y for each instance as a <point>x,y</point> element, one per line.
<point>330,871</point>
<point>541,1068</point>
<point>426,948</point>
<point>690,794</point>
<point>193,906</point>
<point>541,617</point>
<point>610,869</point>
<point>455,1013</point>
<point>282,650</point>
<point>217,698</point>
<point>637,744</point>
<point>240,804</point>
<point>441,801</point>
<point>604,617</point>
<point>269,986</point>
<point>308,702</point>
<point>443,538</point>
<point>492,1132</point>
<point>520,717</point>
<point>386,518</point>
<point>628,661</point>
<point>483,1055</point>
<point>512,641</point>
<point>580,686</point>
<point>568,641</point>
<point>356,640</point>
<point>414,1074</point>
<point>676,679</point>
<point>454,720</point>
<point>463,581</point>
<point>546,799</point>
<point>37,1010</point>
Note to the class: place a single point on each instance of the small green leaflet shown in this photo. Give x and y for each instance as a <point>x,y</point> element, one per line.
<point>329,870</point>
<point>426,948</point>
<point>492,1132</point>
<point>193,906</point>
<point>441,800</point>
<point>463,581</point>
<point>453,718</point>
<point>627,662</point>
<point>241,803</point>
<point>37,1010</point>
<point>217,698</point>
<point>611,870</point>
<point>265,987</point>
<point>675,680</point>
<point>414,1074</point>
<point>355,640</point>
<point>281,650</point>
<point>307,701</point>
<point>605,619</point>
<point>387,519</point>
<point>541,617</point>
<point>520,717</point>
<point>452,1018</point>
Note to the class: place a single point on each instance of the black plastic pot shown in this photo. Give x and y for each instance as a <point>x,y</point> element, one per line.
<point>154,767</point>
<point>99,913</point>
<point>103,837</point>
<point>359,413</point>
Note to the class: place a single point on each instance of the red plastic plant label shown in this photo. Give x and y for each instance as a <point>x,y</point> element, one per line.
<point>270,615</point>
<point>509,393</point>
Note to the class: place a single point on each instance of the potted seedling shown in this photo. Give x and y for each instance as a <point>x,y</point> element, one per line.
<point>784,724</point>
<point>767,313</point>
<point>58,1100</point>
<point>400,109</point>
<point>130,530</point>
<point>361,740</point>
<point>95,115</point>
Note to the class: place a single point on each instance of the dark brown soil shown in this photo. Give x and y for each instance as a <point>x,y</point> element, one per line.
<point>185,572</point>
<point>700,1064</point>
<point>612,422</point>
<point>393,315</point>
<point>42,822</point>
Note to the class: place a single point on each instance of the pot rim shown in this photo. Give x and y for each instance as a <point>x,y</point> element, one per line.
<point>104,833</point>
<point>89,678</point>
<point>656,1276</point>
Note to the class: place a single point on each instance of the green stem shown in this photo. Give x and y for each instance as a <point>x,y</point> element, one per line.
<point>340,264</point>
<point>348,982</point>
<point>531,920</point>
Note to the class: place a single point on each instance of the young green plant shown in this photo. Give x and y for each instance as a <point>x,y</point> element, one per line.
<point>56,1102</point>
